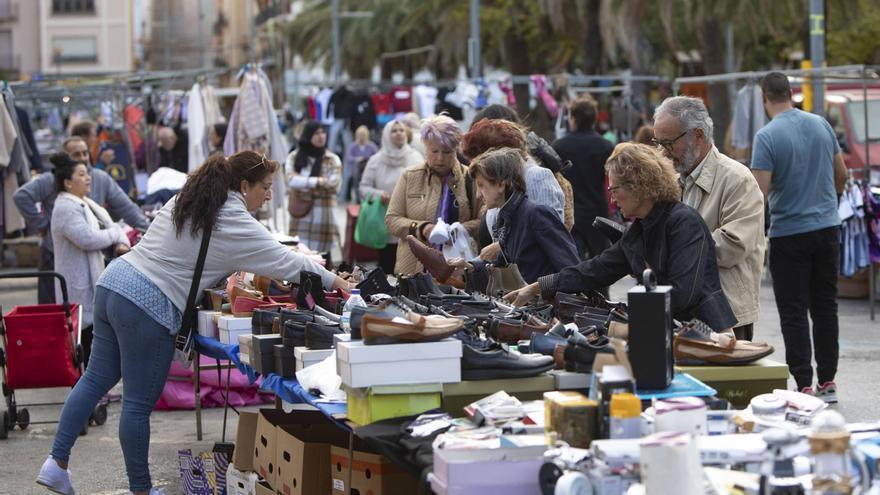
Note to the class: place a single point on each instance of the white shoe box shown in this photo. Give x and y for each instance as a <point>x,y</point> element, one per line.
<point>231,336</point>
<point>306,357</point>
<point>361,365</point>
<point>511,471</point>
<point>234,323</point>
<point>208,326</point>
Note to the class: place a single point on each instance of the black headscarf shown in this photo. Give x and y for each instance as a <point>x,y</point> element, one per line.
<point>308,150</point>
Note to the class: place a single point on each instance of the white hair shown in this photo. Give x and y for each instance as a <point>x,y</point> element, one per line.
<point>690,112</point>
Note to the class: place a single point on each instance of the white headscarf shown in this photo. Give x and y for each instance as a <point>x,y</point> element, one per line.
<point>404,156</point>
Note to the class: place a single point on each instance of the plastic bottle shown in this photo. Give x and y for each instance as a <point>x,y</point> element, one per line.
<point>625,416</point>
<point>354,300</point>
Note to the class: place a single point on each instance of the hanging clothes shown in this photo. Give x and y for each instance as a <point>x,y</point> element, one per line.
<point>11,160</point>
<point>202,112</point>
<point>364,112</point>
<point>854,248</point>
<point>748,115</point>
<point>426,98</point>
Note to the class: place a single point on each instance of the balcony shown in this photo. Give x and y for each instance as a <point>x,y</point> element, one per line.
<point>8,11</point>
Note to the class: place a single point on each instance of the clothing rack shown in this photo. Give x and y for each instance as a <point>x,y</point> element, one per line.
<point>831,75</point>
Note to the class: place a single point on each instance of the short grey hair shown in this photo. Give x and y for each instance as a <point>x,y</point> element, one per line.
<point>690,112</point>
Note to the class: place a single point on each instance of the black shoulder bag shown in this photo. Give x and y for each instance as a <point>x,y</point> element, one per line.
<point>184,342</point>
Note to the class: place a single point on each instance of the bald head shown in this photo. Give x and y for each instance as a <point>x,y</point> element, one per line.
<point>167,138</point>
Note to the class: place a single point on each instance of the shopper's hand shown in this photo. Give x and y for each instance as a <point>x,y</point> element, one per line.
<point>385,199</point>
<point>343,284</point>
<point>121,249</point>
<point>522,297</point>
<point>426,232</point>
<point>490,252</point>
<point>460,264</point>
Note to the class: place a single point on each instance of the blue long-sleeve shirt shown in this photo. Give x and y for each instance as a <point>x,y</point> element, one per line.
<point>105,191</point>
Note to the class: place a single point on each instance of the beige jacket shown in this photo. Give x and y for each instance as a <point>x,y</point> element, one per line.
<point>414,203</point>
<point>731,204</point>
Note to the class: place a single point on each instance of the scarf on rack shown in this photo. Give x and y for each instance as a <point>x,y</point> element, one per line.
<point>307,150</point>
<point>390,154</point>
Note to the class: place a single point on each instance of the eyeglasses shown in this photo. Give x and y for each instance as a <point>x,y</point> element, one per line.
<point>611,189</point>
<point>667,144</point>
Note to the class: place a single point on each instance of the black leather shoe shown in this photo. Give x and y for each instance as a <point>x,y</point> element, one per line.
<point>609,228</point>
<point>545,344</point>
<point>376,282</point>
<point>320,335</point>
<point>293,334</point>
<point>310,284</point>
<point>416,285</point>
<point>499,362</point>
<point>262,321</point>
<point>413,306</point>
<point>296,315</point>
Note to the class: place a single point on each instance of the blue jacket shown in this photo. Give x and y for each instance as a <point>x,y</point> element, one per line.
<point>675,243</point>
<point>533,237</point>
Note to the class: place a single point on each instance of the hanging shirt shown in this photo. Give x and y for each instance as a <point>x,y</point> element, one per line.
<point>322,99</point>
<point>748,116</point>
<point>401,98</point>
<point>426,96</point>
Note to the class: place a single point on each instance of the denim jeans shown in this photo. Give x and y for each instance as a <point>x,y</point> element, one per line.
<point>804,268</point>
<point>127,344</point>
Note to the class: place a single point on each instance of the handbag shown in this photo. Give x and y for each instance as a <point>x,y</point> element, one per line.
<point>504,279</point>
<point>370,229</point>
<point>299,204</point>
<point>184,342</point>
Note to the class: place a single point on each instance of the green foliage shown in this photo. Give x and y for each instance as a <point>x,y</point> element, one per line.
<point>853,31</point>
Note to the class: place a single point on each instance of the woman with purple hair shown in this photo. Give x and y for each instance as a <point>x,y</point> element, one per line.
<point>437,188</point>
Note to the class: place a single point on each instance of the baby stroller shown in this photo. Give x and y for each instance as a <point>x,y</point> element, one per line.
<point>40,349</point>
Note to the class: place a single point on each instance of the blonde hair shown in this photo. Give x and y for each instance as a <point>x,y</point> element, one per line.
<point>362,131</point>
<point>644,172</point>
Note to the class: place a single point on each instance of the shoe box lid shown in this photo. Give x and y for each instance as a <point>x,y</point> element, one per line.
<point>263,344</point>
<point>416,388</point>
<point>234,322</point>
<point>762,369</point>
<point>358,352</point>
<point>569,380</point>
<point>305,354</point>
<point>471,469</point>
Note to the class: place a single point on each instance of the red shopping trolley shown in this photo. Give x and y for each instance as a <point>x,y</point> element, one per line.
<point>40,349</point>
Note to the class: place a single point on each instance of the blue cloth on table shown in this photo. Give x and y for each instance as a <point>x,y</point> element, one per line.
<point>213,348</point>
<point>289,390</point>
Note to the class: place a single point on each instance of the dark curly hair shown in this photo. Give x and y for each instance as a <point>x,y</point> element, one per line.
<point>64,168</point>
<point>488,133</point>
<point>207,188</point>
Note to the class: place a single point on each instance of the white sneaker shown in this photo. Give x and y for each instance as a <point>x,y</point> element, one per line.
<point>54,478</point>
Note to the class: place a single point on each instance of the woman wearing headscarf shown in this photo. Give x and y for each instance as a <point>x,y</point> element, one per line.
<point>313,174</point>
<point>381,175</point>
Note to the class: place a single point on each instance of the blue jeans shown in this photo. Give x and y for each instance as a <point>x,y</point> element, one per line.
<point>127,344</point>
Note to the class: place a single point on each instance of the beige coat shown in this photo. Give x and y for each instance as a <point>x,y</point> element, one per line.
<point>414,202</point>
<point>732,206</point>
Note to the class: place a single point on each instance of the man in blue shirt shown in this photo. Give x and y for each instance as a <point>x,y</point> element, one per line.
<point>798,165</point>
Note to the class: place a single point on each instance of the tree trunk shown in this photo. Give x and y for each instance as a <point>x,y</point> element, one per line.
<point>593,48</point>
<point>713,63</point>
<point>518,52</point>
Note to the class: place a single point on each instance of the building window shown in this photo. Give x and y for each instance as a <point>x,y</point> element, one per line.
<point>74,50</point>
<point>75,7</point>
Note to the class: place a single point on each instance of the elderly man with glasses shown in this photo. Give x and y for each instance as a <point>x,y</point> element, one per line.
<point>725,194</point>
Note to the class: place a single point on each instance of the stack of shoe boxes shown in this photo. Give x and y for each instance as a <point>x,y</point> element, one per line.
<point>306,357</point>
<point>385,381</point>
<point>230,327</point>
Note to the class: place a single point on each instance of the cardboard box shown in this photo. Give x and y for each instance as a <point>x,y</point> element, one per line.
<point>263,488</point>
<point>245,345</point>
<point>371,473</point>
<point>234,323</point>
<point>569,380</point>
<point>208,325</point>
<point>231,336</point>
<point>241,482</point>
<point>361,365</point>
<point>739,384</point>
<point>458,395</point>
<point>303,456</point>
<point>306,357</point>
<point>245,436</point>
<point>481,471</point>
<point>285,362</point>
<point>368,405</point>
<point>217,475</point>
<point>266,445</point>
<point>572,416</point>
<point>193,475</point>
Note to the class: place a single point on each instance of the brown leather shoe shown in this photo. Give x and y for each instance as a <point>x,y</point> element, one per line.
<point>511,331</point>
<point>383,329</point>
<point>433,260</point>
<point>696,344</point>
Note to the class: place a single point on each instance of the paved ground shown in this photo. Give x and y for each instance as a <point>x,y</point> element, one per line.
<point>97,459</point>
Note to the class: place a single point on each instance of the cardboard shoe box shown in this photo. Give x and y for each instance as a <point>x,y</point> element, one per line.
<point>303,456</point>
<point>371,474</point>
<point>481,471</point>
<point>230,327</point>
<point>739,384</point>
<point>241,482</point>
<point>306,357</point>
<point>262,356</point>
<point>245,436</point>
<point>368,405</point>
<point>361,365</point>
<point>285,362</point>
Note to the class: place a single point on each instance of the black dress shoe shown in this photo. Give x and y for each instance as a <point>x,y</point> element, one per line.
<point>546,344</point>
<point>413,306</point>
<point>609,228</point>
<point>320,335</point>
<point>262,320</point>
<point>499,362</point>
<point>375,283</point>
<point>293,334</point>
<point>416,285</point>
<point>310,284</point>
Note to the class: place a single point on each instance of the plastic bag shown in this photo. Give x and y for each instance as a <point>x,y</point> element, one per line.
<point>323,377</point>
<point>370,229</point>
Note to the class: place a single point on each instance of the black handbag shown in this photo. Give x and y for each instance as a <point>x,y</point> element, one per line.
<point>184,341</point>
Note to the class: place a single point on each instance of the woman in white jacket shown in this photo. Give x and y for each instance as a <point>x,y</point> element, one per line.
<point>82,231</point>
<point>381,175</point>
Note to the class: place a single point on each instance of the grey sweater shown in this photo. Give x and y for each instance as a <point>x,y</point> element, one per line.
<point>105,191</point>
<point>238,243</point>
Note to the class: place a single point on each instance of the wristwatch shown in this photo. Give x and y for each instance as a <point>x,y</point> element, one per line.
<point>413,229</point>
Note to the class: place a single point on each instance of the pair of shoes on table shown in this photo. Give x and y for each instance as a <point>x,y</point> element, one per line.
<point>695,343</point>
<point>498,361</point>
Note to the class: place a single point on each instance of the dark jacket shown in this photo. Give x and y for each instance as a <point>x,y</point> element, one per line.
<point>676,244</point>
<point>533,237</point>
<point>587,152</point>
